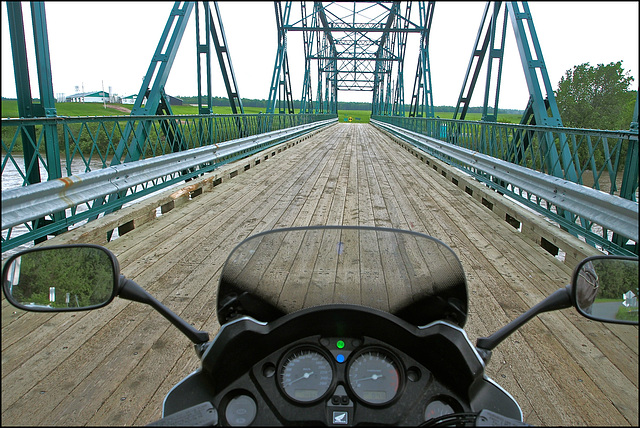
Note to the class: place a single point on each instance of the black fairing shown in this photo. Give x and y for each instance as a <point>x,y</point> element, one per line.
<point>408,274</point>
<point>447,361</point>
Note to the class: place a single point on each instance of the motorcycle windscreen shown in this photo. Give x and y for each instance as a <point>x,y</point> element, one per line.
<point>408,274</point>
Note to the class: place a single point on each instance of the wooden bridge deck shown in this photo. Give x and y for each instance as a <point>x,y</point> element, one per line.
<point>113,366</point>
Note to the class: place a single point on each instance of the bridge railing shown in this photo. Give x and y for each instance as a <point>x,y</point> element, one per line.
<point>606,161</point>
<point>83,146</point>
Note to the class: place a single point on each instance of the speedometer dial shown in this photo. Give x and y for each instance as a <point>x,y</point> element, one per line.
<point>305,375</point>
<point>374,377</point>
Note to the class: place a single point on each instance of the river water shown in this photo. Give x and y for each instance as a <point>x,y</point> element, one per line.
<point>12,178</point>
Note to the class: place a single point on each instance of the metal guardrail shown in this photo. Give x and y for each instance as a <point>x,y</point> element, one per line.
<point>107,188</point>
<point>554,197</point>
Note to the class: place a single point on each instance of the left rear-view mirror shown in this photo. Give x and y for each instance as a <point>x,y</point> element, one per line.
<point>61,278</point>
<point>605,288</point>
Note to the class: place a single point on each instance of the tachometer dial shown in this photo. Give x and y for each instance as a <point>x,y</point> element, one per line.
<point>374,377</point>
<point>305,375</point>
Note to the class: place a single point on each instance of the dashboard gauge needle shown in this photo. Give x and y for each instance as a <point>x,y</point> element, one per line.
<point>374,377</point>
<point>304,376</point>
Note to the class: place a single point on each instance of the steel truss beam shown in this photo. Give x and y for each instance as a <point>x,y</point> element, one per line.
<point>477,56</point>
<point>280,89</point>
<point>422,95</point>
<point>215,29</point>
<point>541,108</point>
<point>152,92</point>
<point>27,107</point>
<point>358,46</point>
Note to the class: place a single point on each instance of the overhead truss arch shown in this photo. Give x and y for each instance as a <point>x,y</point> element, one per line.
<point>356,46</point>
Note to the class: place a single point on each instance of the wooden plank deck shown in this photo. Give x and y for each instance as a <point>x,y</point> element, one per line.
<point>113,366</point>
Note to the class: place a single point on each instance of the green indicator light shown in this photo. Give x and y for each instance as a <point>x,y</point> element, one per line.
<point>340,344</point>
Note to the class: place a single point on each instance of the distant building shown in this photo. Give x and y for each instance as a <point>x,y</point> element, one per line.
<point>131,99</point>
<point>90,97</point>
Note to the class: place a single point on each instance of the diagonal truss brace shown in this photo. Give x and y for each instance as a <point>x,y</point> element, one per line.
<point>280,89</point>
<point>152,89</point>
<point>152,92</point>
<point>478,54</point>
<point>215,29</point>
<point>422,94</point>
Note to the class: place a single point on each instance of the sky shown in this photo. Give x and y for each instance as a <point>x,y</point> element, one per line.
<point>110,44</point>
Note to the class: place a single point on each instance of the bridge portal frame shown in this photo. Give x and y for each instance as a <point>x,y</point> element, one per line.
<point>358,46</point>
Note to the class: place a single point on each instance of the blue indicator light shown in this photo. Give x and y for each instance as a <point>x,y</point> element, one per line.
<point>340,358</point>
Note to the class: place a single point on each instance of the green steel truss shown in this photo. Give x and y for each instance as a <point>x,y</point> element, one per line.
<point>422,95</point>
<point>152,92</point>
<point>151,100</point>
<point>27,106</point>
<point>358,46</point>
<point>541,108</point>
<point>280,89</point>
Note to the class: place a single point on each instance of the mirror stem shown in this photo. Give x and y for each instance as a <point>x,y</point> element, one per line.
<point>560,299</point>
<point>131,291</point>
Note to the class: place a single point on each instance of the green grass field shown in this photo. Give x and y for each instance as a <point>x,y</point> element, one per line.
<point>365,115</point>
<point>10,109</point>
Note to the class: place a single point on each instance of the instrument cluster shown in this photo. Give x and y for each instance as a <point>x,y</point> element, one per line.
<point>307,374</point>
<point>337,381</point>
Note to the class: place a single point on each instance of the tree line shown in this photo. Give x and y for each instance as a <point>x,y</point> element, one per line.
<point>589,97</point>
<point>596,97</point>
<point>617,277</point>
<point>342,105</point>
<point>64,277</point>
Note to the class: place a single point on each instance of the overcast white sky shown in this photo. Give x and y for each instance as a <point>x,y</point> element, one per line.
<point>113,42</point>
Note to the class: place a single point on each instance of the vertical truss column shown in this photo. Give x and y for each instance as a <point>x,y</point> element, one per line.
<point>320,100</point>
<point>496,54</point>
<point>306,101</point>
<point>280,89</point>
<point>331,82</point>
<point>384,57</point>
<point>203,49</point>
<point>331,65</point>
<point>224,59</point>
<point>26,105</point>
<point>398,100</point>
<point>477,56</point>
<point>422,96</point>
